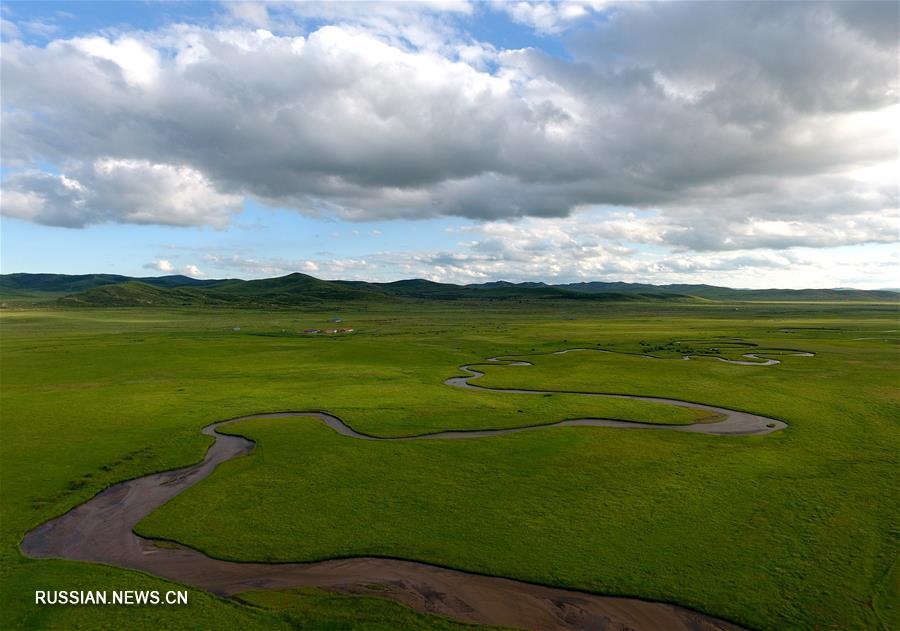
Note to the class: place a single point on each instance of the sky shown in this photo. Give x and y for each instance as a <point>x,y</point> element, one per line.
<point>731,143</point>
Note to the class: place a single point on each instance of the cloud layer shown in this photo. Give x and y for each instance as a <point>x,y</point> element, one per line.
<point>589,245</point>
<point>740,125</point>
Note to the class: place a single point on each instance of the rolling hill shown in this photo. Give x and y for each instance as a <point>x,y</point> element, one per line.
<point>135,294</point>
<point>301,289</point>
<point>713,292</point>
<point>43,287</point>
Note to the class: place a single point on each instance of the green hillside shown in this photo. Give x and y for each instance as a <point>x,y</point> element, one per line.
<point>712,292</point>
<point>136,294</point>
<point>288,289</point>
<point>35,288</point>
<point>301,289</point>
<point>57,283</point>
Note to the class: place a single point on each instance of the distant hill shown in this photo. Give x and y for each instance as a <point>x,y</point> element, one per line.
<point>426,289</point>
<point>713,292</point>
<point>178,280</point>
<point>291,289</point>
<point>300,289</point>
<point>136,294</point>
<point>294,289</point>
<point>499,284</point>
<point>55,285</point>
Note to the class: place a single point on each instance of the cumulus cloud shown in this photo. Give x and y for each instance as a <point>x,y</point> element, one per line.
<point>167,267</point>
<point>741,125</point>
<point>549,17</point>
<point>589,245</point>
<point>163,265</point>
<point>579,249</point>
<point>421,25</point>
<point>110,189</point>
<point>334,268</point>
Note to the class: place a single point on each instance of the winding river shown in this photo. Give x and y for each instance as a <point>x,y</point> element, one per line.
<point>101,531</point>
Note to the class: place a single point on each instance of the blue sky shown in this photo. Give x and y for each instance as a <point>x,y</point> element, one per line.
<point>58,20</point>
<point>257,236</point>
<point>459,142</point>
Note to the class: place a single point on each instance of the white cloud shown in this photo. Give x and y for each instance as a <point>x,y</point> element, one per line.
<point>740,128</point>
<point>8,29</point>
<point>253,13</point>
<point>167,267</point>
<point>110,189</point>
<point>336,268</point>
<point>870,268</point>
<point>548,17</point>
<point>162,265</point>
<point>138,62</point>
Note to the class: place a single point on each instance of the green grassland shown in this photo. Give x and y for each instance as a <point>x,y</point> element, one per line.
<point>797,529</point>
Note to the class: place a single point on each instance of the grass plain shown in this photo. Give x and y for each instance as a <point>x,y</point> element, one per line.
<point>793,530</point>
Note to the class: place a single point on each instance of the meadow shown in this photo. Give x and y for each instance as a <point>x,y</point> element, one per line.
<point>797,529</point>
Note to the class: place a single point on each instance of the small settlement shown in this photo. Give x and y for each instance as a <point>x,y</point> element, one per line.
<point>328,331</point>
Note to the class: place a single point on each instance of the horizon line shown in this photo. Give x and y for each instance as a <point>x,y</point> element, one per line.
<point>484,282</point>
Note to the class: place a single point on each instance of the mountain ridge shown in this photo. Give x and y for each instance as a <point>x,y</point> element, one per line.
<point>298,288</point>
